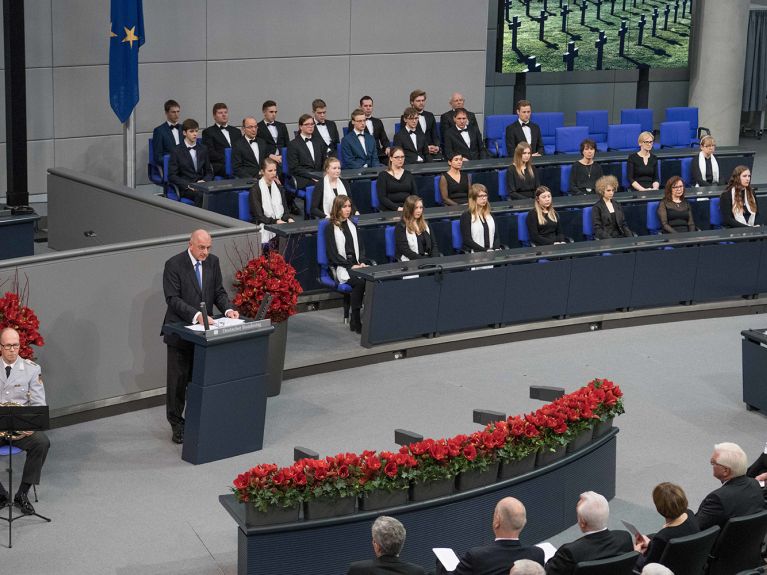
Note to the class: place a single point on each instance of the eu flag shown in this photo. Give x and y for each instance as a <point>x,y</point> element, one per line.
<point>126,36</point>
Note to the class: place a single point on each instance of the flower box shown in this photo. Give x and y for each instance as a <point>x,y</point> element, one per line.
<point>324,508</point>
<point>382,499</point>
<point>474,478</point>
<point>272,516</point>
<point>581,440</point>
<point>603,427</point>
<point>515,468</point>
<point>545,457</point>
<point>423,491</point>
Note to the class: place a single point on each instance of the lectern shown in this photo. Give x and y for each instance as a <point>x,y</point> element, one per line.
<point>226,399</point>
<point>754,346</point>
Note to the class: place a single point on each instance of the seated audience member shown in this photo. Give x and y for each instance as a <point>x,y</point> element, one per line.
<point>607,214</point>
<point>463,138</point>
<point>324,129</point>
<point>509,518</point>
<point>585,172</point>
<point>396,183</point>
<point>375,127</point>
<point>457,102</point>
<point>478,230</point>
<point>358,147</point>
<point>189,163</point>
<point>737,204</point>
<point>412,237</point>
<point>346,252</point>
<point>453,183</point>
<point>598,542</point>
<point>523,130</point>
<point>326,190</point>
<point>542,221</point>
<point>705,168</point>
<point>306,154</point>
<point>427,123</point>
<point>526,567</point>
<point>248,152</point>
<point>268,203</point>
<point>521,175</point>
<point>411,139</point>
<point>674,211</point>
<point>642,166</point>
<point>656,569</point>
<point>273,133</point>
<point>739,495</point>
<point>219,137</point>
<point>388,539</point>
<point>167,135</point>
<point>671,502</point>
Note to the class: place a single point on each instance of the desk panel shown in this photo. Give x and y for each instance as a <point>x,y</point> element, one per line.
<point>471,300</point>
<point>536,290</point>
<point>601,283</point>
<point>664,276</point>
<point>727,270</point>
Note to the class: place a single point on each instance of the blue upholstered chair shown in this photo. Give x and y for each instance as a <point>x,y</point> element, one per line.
<point>653,221</point>
<point>456,237</point>
<point>326,276</point>
<point>596,121</point>
<point>374,203</point>
<point>495,133</point>
<point>548,122</point>
<point>502,185</point>
<point>437,193</point>
<point>243,207</point>
<point>623,137</point>
<point>522,234</point>
<point>641,116</point>
<point>687,114</point>
<point>568,139</point>
<point>714,215</point>
<point>675,134</point>
<point>587,224</point>
<point>390,247</point>
<point>564,179</point>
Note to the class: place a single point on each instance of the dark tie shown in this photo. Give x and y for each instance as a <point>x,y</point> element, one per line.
<point>190,148</point>
<point>462,131</point>
<point>320,123</point>
<point>176,127</point>
<point>411,133</point>
<point>7,371</point>
<point>307,140</point>
<point>198,273</point>
<point>270,124</point>
<point>525,124</point>
<point>362,135</point>
<point>251,142</point>
<point>221,127</point>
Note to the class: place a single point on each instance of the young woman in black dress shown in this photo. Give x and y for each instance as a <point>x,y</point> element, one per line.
<point>674,211</point>
<point>642,166</point>
<point>396,183</point>
<point>412,237</point>
<point>542,221</point>
<point>521,177</point>
<point>454,184</point>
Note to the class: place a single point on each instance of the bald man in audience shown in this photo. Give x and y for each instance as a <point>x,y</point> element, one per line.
<point>457,102</point>
<point>598,542</point>
<point>656,569</point>
<point>739,495</point>
<point>526,567</point>
<point>497,558</point>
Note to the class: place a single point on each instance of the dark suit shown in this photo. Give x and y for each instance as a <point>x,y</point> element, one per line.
<point>257,208</point>
<point>379,134</point>
<point>183,296</point>
<point>163,141</point>
<point>216,142</point>
<point>384,565</point>
<point>353,154</point>
<point>599,545</point>
<point>758,467</point>
<point>446,120</point>
<point>404,141</point>
<point>271,144</point>
<point>300,162</point>
<point>602,222</point>
<point>515,135</point>
<point>455,144</point>
<point>182,170</point>
<point>739,496</point>
<point>494,559</point>
<point>432,138</point>
<point>244,161</point>
<point>332,147</point>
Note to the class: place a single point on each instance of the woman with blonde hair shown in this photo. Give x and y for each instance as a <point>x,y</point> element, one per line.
<point>542,221</point>
<point>330,186</point>
<point>521,176</point>
<point>705,168</point>
<point>737,204</point>
<point>642,166</point>
<point>268,201</point>
<point>412,236</point>
<point>478,230</point>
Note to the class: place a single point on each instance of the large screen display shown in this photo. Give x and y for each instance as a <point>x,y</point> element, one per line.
<point>558,36</point>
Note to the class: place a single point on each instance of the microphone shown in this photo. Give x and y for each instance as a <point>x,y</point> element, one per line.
<point>204,311</point>
<point>91,235</point>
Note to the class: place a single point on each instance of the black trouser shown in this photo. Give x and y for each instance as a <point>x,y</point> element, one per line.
<point>193,195</point>
<point>180,361</point>
<point>36,448</point>
<point>358,292</point>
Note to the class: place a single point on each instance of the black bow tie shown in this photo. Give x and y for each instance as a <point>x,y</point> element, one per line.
<point>460,131</point>
<point>251,142</point>
<point>411,132</point>
<point>320,123</point>
<point>270,124</point>
<point>190,148</point>
<point>307,140</point>
<point>220,127</point>
<point>524,124</point>
<point>362,135</point>
<point>175,127</point>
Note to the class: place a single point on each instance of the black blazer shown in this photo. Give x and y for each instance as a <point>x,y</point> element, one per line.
<point>546,234</point>
<point>600,219</point>
<point>181,167</point>
<point>402,247</point>
<point>332,147</point>
<point>271,144</point>
<point>515,135</point>
<point>468,241</point>
<point>432,139</point>
<point>599,545</point>
<point>379,133</point>
<point>163,141</point>
<point>495,558</point>
<point>739,496</point>
<point>725,211</point>
<point>454,143</point>
<point>319,192</point>
<point>300,161</point>
<point>244,161</point>
<point>183,294</point>
<point>446,121</point>
<point>700,178</point>
<point>520,187</point>
<point>334,258</point>
<point>216,143</point>
<point>403,139</point>
<point>758,467</point>
<point>384,565</point>
<point>257,208</point>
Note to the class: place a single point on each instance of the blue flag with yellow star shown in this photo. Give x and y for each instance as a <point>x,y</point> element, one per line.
<point>126,36</point>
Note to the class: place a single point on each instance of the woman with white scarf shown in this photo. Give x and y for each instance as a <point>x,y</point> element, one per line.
<point>268,204</point>
<point>328,188</point>
<point>478,229</point>
<point>705,169</point>
<point>345,252</point>
<point>737,204</point>
<point>412,236</point>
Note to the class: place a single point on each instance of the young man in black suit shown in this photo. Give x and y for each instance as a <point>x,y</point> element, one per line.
<point>464,139</point>
<point>358,147</point>
<point>325,130</point>
<point>167,135</point>
<point>219,137</point>
<point>375,127</point>
<point>411,139</point>
<point>248,152</point>
<point>388,539</point>
<point>191,277</point>
<point>598,542</point>
<point>739,495</point>
<point>509,518</point>
<point>523,130</point>
<point>426,121</point>
<point>189,163</point>
<point>306,153</point>
<point>457,102</point>
<point>273,133</point>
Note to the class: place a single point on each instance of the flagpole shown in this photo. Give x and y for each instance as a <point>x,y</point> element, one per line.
<point>129,147</point>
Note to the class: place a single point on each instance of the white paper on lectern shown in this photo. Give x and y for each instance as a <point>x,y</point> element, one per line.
<point>548,550</point>
<point>219,323</point>
<point>447,557</point>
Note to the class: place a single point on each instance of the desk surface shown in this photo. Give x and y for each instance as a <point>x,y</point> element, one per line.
<point>21,219</point>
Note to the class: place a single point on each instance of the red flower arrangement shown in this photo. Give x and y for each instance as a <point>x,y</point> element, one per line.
<point>347,474</point>
<point>15,313</point>
<point>267,273</point>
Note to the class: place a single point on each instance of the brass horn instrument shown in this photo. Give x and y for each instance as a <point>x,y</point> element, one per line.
<point>9,434</point>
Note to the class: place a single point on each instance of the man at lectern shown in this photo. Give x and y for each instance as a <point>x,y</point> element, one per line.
<point>22,384</point>
<point>191,277</point>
